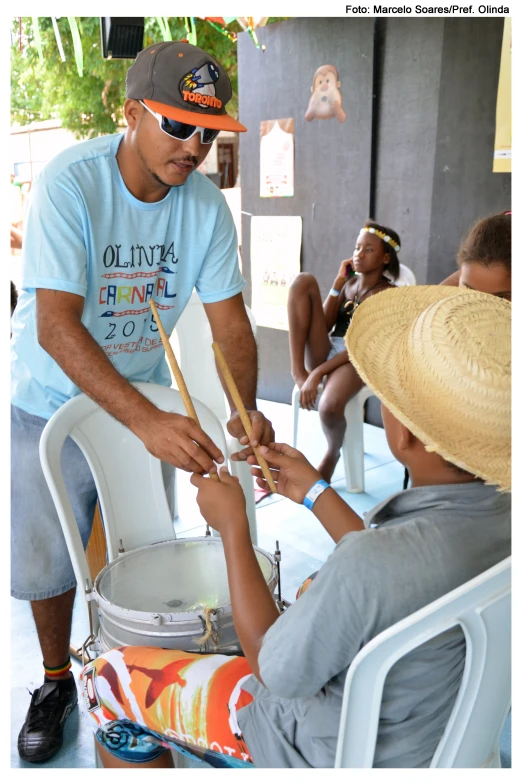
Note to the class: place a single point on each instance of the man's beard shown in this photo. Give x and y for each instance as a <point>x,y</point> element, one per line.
<point>157,178</point>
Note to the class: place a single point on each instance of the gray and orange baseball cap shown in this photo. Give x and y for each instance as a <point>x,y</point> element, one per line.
<point>184,83</point>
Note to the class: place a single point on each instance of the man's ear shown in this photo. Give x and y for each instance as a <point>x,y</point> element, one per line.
<point>133,111</point>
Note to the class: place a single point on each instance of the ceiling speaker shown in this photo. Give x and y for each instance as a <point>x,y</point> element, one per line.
<point>122,36</point>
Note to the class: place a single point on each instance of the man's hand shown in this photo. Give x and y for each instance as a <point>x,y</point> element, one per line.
<point>291,471</point>
<point>309,391</point>
<point>222,503</point>
<point>178,440</point>
<point>262,433</point>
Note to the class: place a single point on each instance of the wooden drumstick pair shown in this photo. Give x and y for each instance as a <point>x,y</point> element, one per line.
<point>229,380</point>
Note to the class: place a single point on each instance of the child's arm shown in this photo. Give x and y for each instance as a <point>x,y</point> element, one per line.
<point>294,477</point>
<point>308,392</point>
<point>332,304</point>
<point>222,504</point>
<point>336,516</point>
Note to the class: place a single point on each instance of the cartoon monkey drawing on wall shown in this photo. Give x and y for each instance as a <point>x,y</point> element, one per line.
<point>326,99</point>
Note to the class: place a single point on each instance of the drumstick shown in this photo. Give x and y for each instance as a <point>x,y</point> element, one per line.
<point>174,366</point>
<point>243,415</point>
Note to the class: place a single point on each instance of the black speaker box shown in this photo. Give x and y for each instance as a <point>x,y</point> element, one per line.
<point>121,36</point>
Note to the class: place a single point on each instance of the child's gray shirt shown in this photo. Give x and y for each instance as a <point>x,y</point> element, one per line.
<point>419,544</point>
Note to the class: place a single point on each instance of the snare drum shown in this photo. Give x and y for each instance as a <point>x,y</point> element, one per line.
<point>156,596</point>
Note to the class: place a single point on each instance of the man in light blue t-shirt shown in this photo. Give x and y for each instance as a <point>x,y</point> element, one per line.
<point>113,222</point>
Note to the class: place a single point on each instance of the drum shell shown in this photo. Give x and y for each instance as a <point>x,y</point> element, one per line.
<point>119,626</point>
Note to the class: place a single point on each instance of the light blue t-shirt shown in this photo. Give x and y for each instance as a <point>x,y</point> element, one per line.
<point>86,234</point>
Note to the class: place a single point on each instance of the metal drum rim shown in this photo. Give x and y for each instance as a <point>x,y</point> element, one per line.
<point>166,617</point>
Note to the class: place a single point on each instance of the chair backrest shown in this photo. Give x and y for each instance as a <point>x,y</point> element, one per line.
<point>482,607</point>
<point>192,343</point>
<point>128,478</point>
<point>406,276</point>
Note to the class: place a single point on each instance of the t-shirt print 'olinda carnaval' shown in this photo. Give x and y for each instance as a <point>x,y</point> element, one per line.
<point>88,235</point>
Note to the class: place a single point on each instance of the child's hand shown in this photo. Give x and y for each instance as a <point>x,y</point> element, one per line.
<point>291,471</point>
<point>309,390</point>
<point>222,503</point>
<point>344,269</point>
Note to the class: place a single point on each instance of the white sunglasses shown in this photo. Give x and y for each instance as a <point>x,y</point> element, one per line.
<point>182,131</point>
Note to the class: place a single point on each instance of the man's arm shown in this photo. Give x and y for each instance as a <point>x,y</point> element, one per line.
<point>168,436</point>
<point>231,328</point>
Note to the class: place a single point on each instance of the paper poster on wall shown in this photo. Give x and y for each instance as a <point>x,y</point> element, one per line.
<point>275,255</point>
<point>276,160</point>
<point>502,155</point>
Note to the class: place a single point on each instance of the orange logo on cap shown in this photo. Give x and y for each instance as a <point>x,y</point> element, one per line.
<point>204,100</point>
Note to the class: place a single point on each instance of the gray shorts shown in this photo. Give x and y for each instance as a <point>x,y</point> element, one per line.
<point>40,563</point>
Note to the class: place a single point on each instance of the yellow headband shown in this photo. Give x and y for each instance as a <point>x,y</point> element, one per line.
<point>384,237</point>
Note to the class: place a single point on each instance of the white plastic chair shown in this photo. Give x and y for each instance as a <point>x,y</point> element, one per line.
<point>353,442</point>
<point>128,478</point>
<point>192,343</point>
<point>406,276</point>
<point>482,607</point>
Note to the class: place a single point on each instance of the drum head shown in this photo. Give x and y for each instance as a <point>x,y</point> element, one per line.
<point>175,576</point>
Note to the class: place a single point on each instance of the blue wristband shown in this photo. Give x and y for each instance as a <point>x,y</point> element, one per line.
<point>333,292</point>
<point>313,493</point>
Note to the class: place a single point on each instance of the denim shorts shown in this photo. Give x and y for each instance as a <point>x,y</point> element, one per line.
<point>40,563</point>
<point>337,346</point>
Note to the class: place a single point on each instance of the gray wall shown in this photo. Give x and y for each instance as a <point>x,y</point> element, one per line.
<point>409,77</point>
<point>431,174</point>
<point>332,159</point>
<point>436,133</point>
<point>464,185</point>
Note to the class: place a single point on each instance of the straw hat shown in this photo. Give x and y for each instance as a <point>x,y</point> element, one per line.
<point>439,358</point>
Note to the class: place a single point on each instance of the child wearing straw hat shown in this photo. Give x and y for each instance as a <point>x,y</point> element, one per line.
<point>438,358</point>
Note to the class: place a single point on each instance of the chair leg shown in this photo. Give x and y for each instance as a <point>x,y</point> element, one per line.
<point>295,413</point>
<point>353,446</point>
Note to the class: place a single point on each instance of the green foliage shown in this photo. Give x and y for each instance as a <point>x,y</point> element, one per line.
<point>92,104</point>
